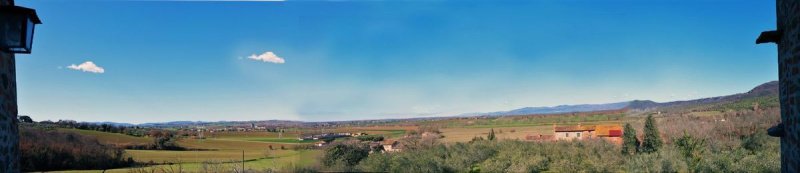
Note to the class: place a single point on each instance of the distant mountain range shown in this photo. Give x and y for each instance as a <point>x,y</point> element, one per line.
<point>769,88</point>
<point>554,109</point>
<point>766,89</point>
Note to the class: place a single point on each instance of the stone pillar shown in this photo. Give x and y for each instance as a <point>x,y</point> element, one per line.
<point>9,132</point>
<point>788,15</point>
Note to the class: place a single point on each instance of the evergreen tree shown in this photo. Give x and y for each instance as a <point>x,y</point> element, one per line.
<point>652,139</point>
<point>629,141</point>
<point>491,135</point>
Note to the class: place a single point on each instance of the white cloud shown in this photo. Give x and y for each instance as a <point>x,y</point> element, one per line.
<point>267,57</point>
<point>87,66</point>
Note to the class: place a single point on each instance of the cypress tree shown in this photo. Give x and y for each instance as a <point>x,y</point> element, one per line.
<point>491,135</point>
<point>629,141</point>
<point>652,139</point>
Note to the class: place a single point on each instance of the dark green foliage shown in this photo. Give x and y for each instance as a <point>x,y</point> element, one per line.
<point>346,155</point>
<point>755,142</point>
<point>748,104</point>
<point>491,136</point>
<point>25,119</point>
<point>167,143</point>
<point>630,143</point>
<point>43,150</point>
<point>373,138</point>
<point>500,156</point>
<point>652,138</point>
<point>692,149</point>
<point>378,162</point>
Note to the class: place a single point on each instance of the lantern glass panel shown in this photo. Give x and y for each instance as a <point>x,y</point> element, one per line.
<point>29,34</point>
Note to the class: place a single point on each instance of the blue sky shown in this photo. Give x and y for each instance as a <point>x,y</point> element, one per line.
<point>208,61</point>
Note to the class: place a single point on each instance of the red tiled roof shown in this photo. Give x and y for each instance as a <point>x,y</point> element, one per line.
<point>614,133</point>
<point>609,131</point>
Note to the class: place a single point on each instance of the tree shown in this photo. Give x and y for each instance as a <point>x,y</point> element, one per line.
<point>349,155</point>
<point>629,141</point>
<point>491,135</point>
<point>652,138</point>
<point>692,149</point>
<point>25,119</point>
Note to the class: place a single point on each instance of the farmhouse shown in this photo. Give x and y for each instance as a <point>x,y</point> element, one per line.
<point>573,132</point>
<point>391,146</point>
<point>610,132</point>
<point>321,143</point>
<point>359,134</point>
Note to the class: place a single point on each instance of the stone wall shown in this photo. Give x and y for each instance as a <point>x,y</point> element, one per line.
<point>788,13</point>
<point>9,133</point>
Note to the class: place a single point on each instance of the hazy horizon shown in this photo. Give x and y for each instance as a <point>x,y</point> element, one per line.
<point>138,62</point>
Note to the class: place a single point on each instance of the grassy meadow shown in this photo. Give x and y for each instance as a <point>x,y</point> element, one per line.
<point>110,138</point>
<point>225,151</point>
<point>290,158</point>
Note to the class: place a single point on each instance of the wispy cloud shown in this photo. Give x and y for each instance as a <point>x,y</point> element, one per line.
<point>267,57</point>
<point>87,66</point>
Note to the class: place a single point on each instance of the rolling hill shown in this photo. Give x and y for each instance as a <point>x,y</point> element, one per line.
<point>766,89</point>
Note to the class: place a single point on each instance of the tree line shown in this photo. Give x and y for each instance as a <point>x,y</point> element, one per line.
<point>50,150</point>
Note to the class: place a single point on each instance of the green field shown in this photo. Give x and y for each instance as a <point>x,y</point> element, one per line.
<point>110,138</point>
<point>298,158</point>
<point>226,152</point>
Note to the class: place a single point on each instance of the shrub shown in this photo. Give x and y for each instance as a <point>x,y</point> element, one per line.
<point>52,150</point>
<point>491,135</point>
<point>691,148</point>
<point>373,138</point>
<point>348,155</point>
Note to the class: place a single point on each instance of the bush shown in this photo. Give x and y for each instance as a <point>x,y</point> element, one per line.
<point>377,162</point>
<point>692,149</point>
<point>52,150</point>
<point>346,156</point>
<point>755,142</point>
<point>373,138</point>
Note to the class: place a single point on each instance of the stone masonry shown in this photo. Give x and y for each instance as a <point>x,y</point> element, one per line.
<point>9,133</point>
<point>788,15</point>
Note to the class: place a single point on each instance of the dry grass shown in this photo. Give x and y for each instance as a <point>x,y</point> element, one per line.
<point>452,135</point>
<point>251,135</point>
<point>160,156</point>
<point>375,128</point>
<point>224,144</point>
